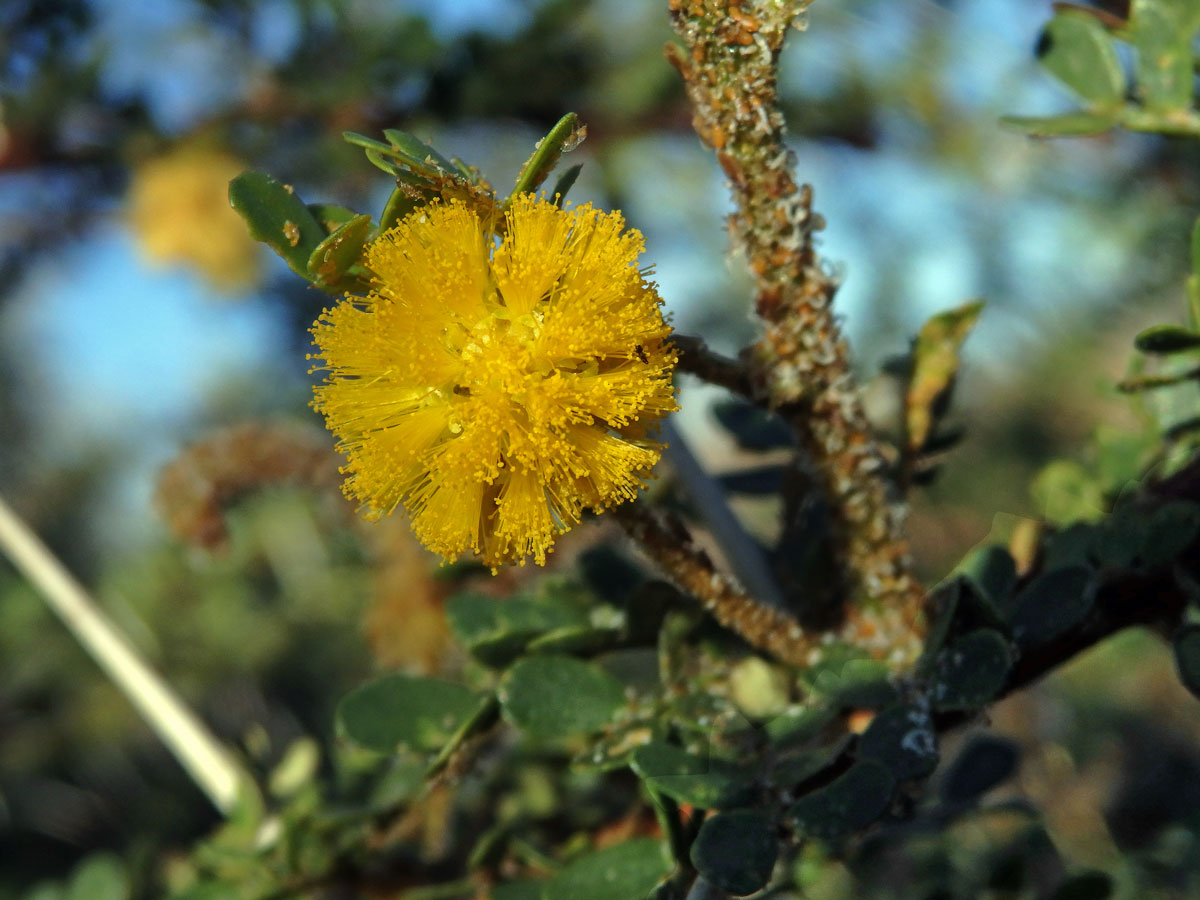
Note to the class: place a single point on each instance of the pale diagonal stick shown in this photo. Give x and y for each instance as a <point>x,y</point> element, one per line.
<point>209,764</point>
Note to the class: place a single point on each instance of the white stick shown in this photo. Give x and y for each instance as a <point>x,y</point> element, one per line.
<point>198,750</point>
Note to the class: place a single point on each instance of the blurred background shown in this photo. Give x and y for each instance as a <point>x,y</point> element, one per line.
<point>136,316</point>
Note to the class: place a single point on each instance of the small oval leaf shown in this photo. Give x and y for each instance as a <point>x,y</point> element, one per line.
<point>1077,50</point>
<point>1167,339</point>
<point>405,711</point>
<point>849,803</point>
<point>277,217</point>
<point>901,738</point>
<point>557,696</point>
<point>971,671</point>
<point>735,851</point>
<point>623,872</point>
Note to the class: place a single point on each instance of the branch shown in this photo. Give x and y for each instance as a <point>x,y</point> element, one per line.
<point>729,63</point>
<point>696,359</point>
<point>214,769</point>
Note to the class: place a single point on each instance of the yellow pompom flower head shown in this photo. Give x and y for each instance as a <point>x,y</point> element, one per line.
<point>502,375</point>
<point>494,369</point>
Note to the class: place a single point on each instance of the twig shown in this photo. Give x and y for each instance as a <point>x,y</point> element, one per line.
<point>669,544</point>
<point>696,359</point>
<point>213,769</point>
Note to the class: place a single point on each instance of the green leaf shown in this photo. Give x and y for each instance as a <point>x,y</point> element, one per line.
<point>573,640</point>
<point>705,783</point>
<point>1170,530</point>
<point>735,851</point>
<point>1054,602</point>
<point>331,216</point>
<point>984,763</point>
<point>399,204</point>
<point>277,217</point>
<point>496,631</point>
<point>518,890</point>
<point>564,136</point>
<point>1077,50</point>
<point>1167,339</point>
<point>557,696</point>
<point>331,259</point>
<point>417,150</point>
<point>626,871</point>
<point>934,366</point>
<point>753,428</point>
<point>1067,492</point>
<point>1085,886</point>
<point>856,683</point>
<point>406,711</point>
<point>992,570</point>
<point>847,804</point>
<point>971,670</point>
<point>1162,31</point>
<point>1187,657</point>
<point>99,877</point>
<point>1075,124</point>
<point>565,181</point>
<point>901,738</point>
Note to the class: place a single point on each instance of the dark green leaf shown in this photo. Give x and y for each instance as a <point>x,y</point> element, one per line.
<point>1077,50</point>
<point>1167,339</point>
<point>705,783</point>
<point>1170,530</point>
<point>556,696</point>
<point>901,738</point>
<point>1078,124</point>
<point>993,571</point>
<point>984,763</point>
<point>333,257</point>
<point>1051,604</point>
<point>796,727</point>
<point>277,217</point>
<point>399,204</point>
<point>1085,886</point>
<point>735,851</point>
<point>1074,545</point>
<point>565,182</point>
<point>518,890</point>
<point>1187,657</point>
<point>759,481</point>
<point>751,427</point>
<point>405,711</point>
<point>849,803</point>
<point>627,871</point>
<point>971,670</point>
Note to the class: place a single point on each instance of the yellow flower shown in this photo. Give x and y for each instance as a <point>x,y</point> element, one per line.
<point>178,209</point>
<point>497,387</point>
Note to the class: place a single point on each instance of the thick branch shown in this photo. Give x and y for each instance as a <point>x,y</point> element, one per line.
<point>728,63</point>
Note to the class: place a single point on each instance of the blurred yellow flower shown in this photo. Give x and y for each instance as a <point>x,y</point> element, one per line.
<point>497,387</point>
<point>179,211</point>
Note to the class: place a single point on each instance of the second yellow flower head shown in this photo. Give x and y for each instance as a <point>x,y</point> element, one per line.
<point>497,387</point>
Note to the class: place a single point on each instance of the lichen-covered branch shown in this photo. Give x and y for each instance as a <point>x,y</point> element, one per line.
<point>670,545</point>
<point>728,60</point>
